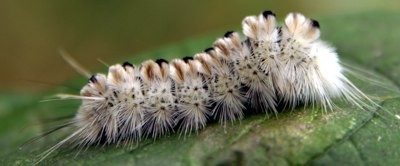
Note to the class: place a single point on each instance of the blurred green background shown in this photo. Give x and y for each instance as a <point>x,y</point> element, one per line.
<point>31,32</point>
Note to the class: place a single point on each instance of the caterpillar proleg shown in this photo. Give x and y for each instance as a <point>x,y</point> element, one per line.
<point>272,65</point>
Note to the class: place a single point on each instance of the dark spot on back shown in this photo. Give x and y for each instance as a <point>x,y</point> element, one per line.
<point>93,79</point>
<point>315,23</point>
<point>209,49</point>
<point>228,34</point>
<point>187,59</point>
<point>161,61</point>
<point>126,64</point>
<point>268,13</point>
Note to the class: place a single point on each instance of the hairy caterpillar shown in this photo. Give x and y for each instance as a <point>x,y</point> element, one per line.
<point>274,65</point>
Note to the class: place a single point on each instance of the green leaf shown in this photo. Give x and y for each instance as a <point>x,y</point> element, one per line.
<point>346,135</point>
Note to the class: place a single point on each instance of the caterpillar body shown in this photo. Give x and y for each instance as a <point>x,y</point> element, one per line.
<point>273,65</point>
